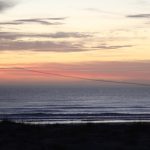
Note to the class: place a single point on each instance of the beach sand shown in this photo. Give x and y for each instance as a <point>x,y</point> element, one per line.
<point>107,136</point>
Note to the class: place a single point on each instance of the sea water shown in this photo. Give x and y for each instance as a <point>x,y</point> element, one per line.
<point>74,104</point>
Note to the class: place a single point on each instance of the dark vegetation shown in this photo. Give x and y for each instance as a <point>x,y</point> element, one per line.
<point>118,136</point>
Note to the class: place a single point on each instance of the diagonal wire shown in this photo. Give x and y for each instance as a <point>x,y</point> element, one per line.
<point>80,78</point>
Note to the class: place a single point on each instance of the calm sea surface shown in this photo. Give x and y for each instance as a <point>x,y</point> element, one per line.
<point>51,104</point>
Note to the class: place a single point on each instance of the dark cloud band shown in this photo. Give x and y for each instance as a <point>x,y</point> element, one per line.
<point>139,16</point>
<point>50,46</point>
<point>6,5</point>
<point>57,35</point>
<point>43,21</point>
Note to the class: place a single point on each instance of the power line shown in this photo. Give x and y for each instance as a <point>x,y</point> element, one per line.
<point>81,78</point>
<point>77,77</point>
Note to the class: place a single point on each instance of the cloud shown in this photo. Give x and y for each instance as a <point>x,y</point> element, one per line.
<point>139,16</point>
<point>9,35</point>
<point>13,41</point>
<point>50,46</point>
<point>11,23</point>
<point>112,46</point>
<point>69,34</point>
<point>5,5</point>
<point>47,46</point>
<point>14,35</point>
<point>43,21</point>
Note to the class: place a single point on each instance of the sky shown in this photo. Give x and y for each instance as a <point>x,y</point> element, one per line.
<point>96,39</point>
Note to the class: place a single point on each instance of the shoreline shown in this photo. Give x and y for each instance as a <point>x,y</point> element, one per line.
<point>44,122</point>
<point>89,136</point>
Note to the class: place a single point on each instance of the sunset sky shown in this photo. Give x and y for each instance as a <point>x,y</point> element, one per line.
<point>97,39</point>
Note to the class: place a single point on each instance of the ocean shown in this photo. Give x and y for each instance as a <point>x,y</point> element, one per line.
<point>39,104</point>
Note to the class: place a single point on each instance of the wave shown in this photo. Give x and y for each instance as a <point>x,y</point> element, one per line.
<point>39,117</point>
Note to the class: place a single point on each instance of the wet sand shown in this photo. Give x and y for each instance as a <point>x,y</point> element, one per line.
<point>106,136</point>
